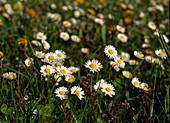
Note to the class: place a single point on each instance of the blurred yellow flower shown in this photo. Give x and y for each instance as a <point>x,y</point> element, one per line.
<point>80,1</point>
<point>101,1</point>
<point>128,20</point>
<point>165,3</point>
<point>18,7</point>
<point>1,24</point>
<point>91,11</point>
<point>23,41</point>
<point>2,8</point>
<point>129,12</point>
<point>88,3</point>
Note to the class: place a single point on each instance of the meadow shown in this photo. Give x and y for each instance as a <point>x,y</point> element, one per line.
<point>82,61</point>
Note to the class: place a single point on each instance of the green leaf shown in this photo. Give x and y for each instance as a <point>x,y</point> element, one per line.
<point>4,108</point>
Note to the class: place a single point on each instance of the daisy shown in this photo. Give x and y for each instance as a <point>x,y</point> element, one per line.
<point>46,45</point>
<point>152,25</point>
<point>61,92</point>
<point>47,70</point>
<point>110,51</point>
<point>93,65</point>
<point>57,63</point>
<point>135,82</point>
<point>122,37</point>
<point>127,74</point>
<point>69,78</point>
<point>157,61</point>
<point>73,69</point>
<point>66,23</point>
<point>144,86</point>
<point>166,39</point>
<point>10,75</point>
<point>119,62</point>
<point>37,43</point>
<point>108,90</point>
<point>39,54</point>
<point>63,71</point>
<point>139,54</point>
<point>57,78</point>
<point>29,62</point>
<point>142,15</point>
<point>65,36</point>
<point>50,57</point>
<point>56,17</point>
<point>41,36</point>
<point>113,64</point>
<point>146,45</point>
<point>60,55</point>
<point>99,21</point>
<point>78,91</point>
<point>125,56</point>
<point>120,29</point>
<point>133,62</point>
<point>100,85</point>
<point>74,21</point>
<point>149,59</point>
<point>161,53</point>
<point>85,50</point>
<point>75,38</point>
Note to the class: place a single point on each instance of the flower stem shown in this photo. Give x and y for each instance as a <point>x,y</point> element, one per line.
<point>91,83</point>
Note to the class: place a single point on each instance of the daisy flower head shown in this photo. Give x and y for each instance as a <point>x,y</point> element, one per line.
<point>100,85</point>
<point>108,90</point>
<point>46,45</point>
<point>50,57</point>
<point>41,36</point>
<point>62,92</point>
<point>39,54</point>
<point>73,69</point>
<point>122,37</point>
<point>120,63</point>
<point>149,59</point>
<point>113,64</point>
<point>125,56</point>
<point>161,53</point>
<point>66,23</point>
<point>63,71</point>
<point>144,86</point>
<point>58,63</point>
<point>65,36</point>
<point>110,51</point>
<point>60,55</point>
<point>135,82</point>
<point>127,74</point>
<point>133,62</point>
<point>57,78</point>
<point>152,25</point>
<point>1,54</point>
<point>75,38</point>
<point>29,62</point>
<point>166,39</point>
<point>94,65</point>
<point>142,15</point>
<point>36,43</point>
<point>47,70</point>
<point>78,91</point>
<point>120,29</point>
<point>157,61</point>
<point>139,54</point>
<point>99,21</point>
<point>85,50</point>
<point>56,17</point>
<point>10,75</point>
<point>74,21</point>
<point>69,78</point>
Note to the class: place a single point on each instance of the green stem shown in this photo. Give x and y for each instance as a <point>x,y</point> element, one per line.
<point>12,93</point>
<point>91,82</point>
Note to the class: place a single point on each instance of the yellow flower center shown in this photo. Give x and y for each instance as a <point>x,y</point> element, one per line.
<point>51,57</point>
<point>64,36</point>
<point>62,92</point>
<point>56,77</point>
<point>11,76</point>
<point>47,70</point>
<point>120,28</point>
<point>29,63</point>
<point>138,55</point>
<point>84,51</point>
<point>161,54</point>
<point>93,65</point>
<point>136,83</point>
<point>67,23</point>
<point>100,87</point>
<point>153,24</point>
<point>122,37</point>
<point>124,56</point>
<point>119,61</point>
<point>39,54</point>
<point>133,62</point>
<point>59,55</point>
<point>108,89</point>
<point>73,70</point>
<point>1,53</point>
<point>111,51</point>
<point>127,75</point>
<point>75,39</point>
<point>36,43</point>
<point>77,92</point>
<point>57,64</point>
<point>145,88</point>
<point>63,71</point>
<point>41,36</point>
<point>157,61</point>
<point>45,45</point>
<point>70,80</point>
<point>113,64</point>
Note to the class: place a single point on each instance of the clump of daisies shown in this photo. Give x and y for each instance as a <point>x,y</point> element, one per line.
<point>135,81</point>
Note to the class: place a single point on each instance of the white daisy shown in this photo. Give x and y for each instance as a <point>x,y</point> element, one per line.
<point>144,86</point>
<point>50,57</point>
<point>61,92</point>
<point>63,71</point>
<point>57,78</point>
<point>41,36</point>
<point>69,78</point>
<point>108,90</point>
<point>133,62</point>
<point>110,51</point>
<point>100,85</point>
<point>146,45</point>
<point>99,21</point>
<point>125,56</point>
<point>135,82</point>
<point>66,23</point>
<point>75,38</point>
<point>57,63</point>
<point>93,65</point>
<point>127,74</point>
<point>39,54</point>
<point>85,50</point>
<point>29,62</point>
<point>149,59</point>
<point>142,15</point>
<point>73,69</point>
<point>161,53</point>
<point>139,54</point>
<point>119,62</point>
<point>65,36</point>
<point>120,29</point>
<point>122,37</point>
<point>166,39</point>
<point>152,25</point>
<point>47,70</point>
<point>78,91</point>
<point>37,43</point>
<point>46,45</point>
<point>10,75</point>
<point>60,55</point>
